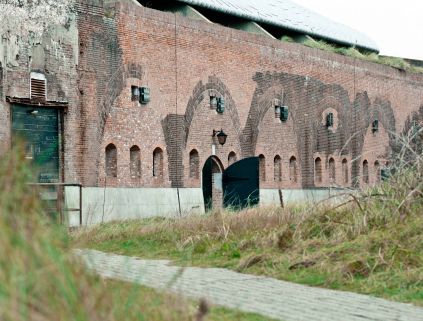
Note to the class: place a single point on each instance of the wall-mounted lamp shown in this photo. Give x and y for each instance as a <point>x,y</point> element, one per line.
<point>135,93</point>
<point>284,113</point>
<point>144,95</point>
<point>385,173</point>
<point>213,102</point>
<point>220,108</point>
<point>375,126</point>
<point>329,120</point>
<point>221,136</point>
<point>33,112</point>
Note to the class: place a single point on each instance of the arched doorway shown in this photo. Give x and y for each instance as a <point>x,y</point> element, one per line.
<point>212,183</point>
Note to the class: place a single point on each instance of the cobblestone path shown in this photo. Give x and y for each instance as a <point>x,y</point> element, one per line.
<point>266,296</point>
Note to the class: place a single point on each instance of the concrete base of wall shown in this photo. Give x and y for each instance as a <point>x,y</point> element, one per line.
<point>101,205</point>
<point>112,204</point>
<point>297,196</point>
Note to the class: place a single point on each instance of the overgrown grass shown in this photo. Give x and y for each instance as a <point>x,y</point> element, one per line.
<point>321,249</point>
<point>372,243</point>
<point>395,62</point>
<point>41,280</point>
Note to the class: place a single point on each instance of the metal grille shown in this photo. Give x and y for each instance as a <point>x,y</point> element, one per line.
<point>38,89</point>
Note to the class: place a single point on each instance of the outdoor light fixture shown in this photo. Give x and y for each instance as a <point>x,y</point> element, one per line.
<point>144,95</point>
<point>221,136</point>
<point>33,112</point>
<point>385,173</point>
<point>220,105</point>
<point>135,93</point>
<point>329,120</point>
<point>375,126</point>
<point>278,110</point>
<point>283,113</point>
<point>213,102</point>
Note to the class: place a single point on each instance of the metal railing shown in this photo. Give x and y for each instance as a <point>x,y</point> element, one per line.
<point>55,192</point>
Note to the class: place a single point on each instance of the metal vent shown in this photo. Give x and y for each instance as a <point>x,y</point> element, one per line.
<point>38,89</point>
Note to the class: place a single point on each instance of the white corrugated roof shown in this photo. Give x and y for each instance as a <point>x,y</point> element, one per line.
<point>289,15</point>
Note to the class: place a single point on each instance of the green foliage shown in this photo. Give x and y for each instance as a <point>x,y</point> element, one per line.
<point>395,62</point>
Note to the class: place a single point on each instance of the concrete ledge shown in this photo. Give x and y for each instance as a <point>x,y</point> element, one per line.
<point>296,196</point>
<point>100,205</point>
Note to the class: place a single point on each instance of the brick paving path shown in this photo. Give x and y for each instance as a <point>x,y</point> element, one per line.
<point>266,296</point>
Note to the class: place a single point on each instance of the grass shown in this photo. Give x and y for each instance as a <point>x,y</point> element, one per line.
<point>40,280</point>
<point>156,305</point>
<point>371,244</point>
<point>395,62</point>
<point>385,262</point>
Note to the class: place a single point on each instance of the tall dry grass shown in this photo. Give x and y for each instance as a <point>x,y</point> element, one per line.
<point>369,242</point>
<point>40,280</point>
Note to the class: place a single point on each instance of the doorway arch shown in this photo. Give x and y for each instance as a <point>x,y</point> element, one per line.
<point>212,183</point>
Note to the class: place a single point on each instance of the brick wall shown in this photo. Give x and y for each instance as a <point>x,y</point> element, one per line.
<point>56,57</point>
<point>185,62</point>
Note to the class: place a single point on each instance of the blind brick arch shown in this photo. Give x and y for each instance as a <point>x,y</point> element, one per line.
<point>318,170</point>
<point>135,162</point>
<point>365,172</point>
<point>232,158</point>
<point>111,160</point>
<point>332,171</point>
<point>262,167</point>
<point>158,163</point>
<point>194,164</point>
<point>277,169</point>
<point>293,169</point>
<point>345,175</point>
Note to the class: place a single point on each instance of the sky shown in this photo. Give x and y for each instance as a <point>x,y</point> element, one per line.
<point>396,26</point>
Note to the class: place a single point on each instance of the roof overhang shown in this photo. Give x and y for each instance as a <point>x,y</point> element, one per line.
<point>37,102</point>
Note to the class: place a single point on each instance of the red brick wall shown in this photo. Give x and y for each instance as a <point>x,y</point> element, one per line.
<point>184,62</point>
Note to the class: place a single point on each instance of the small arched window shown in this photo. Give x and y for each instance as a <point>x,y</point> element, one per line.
<point>277,169</point>
<point>231,158</point>
<point>262,167</point>
<point>194,164</point>
<point>332,170</point>
<point>377,172</point>
<point>158,163</point>
<point>366,171</point>
<point>111,161</point>
<point>293,169</point>
<point>345,171</point>
<point>318,175</point>
<point>135,162</point>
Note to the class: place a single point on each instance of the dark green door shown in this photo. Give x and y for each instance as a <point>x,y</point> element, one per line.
<point>38,128</point>
<point>207,183</point>
<point>241,184</point>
